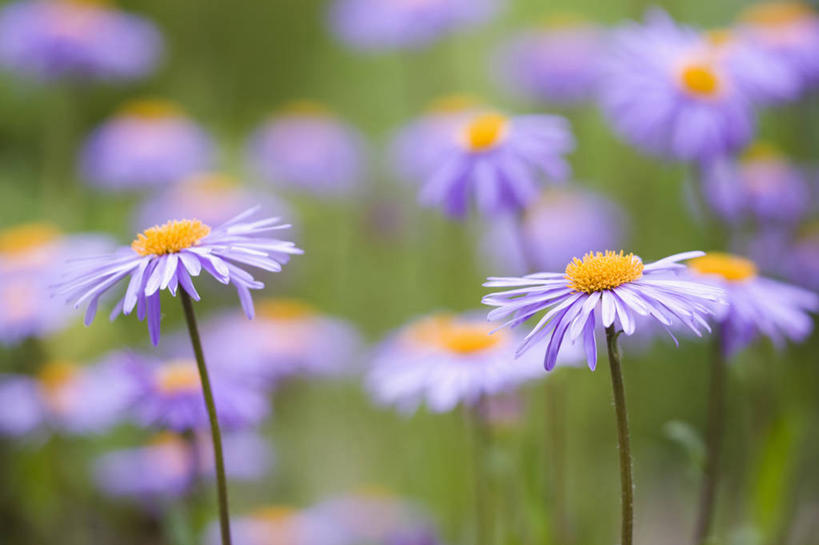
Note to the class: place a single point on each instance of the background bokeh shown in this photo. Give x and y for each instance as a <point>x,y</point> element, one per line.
<point>377,259</point>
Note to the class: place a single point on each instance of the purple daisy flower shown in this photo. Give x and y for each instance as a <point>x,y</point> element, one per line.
<point>665,91</point>
<point>307,148</point>
<point>68,398</point>
<point>212,198</point>
<point>762,184</point>
<point>277,524</point>
<point>287,339</point>
<point>611,289</point>
<point>72,39</point>
<point>30,255</point>
<point>559,64</point>
<point>169,465</point>
<point>499,160</point>
<point>148,144</point>
<point>171,397</point>
<point>443,360</point>
<point>377,25</point>
<point>756,305</point>
<point>790,31</point>
<point>802,265</point>
<point>541,238</point>
<point>168,256</point>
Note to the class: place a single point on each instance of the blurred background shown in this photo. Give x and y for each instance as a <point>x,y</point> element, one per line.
<point>216,93</point>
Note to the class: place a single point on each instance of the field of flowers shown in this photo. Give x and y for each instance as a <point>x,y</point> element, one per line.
<point>409,272</point>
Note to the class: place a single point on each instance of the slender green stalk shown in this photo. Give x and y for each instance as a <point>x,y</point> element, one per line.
<point>216,435</point>
<point>626,479</point>
<point>713,440</point>
<point>481,442</point>
<point>556,437</point>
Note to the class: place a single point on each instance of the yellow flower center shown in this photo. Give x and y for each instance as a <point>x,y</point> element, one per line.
<point>178,377</point>
<point>452,104</point>
<point>454,335</point>
<point>170,238</point>
<point>603,271</point>
<point>761,151</point>
<point>776,14</point>
<point>284,309</point>
<point>485,131</point>
<point>21,238</point>
<point>719,36</point>
<point>700,80</point>
<point>732,268</point>
<point>53,376</point>
<point>166,438</point>
<point>273,513</point>
<point>151,109</point>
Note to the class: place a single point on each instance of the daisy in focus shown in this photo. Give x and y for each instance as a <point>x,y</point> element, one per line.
<point>76,39</point>
<point>148,144</point>
<point>757,306</point>
<point>168,256</point>
<point>497,160</point>
<point>612,289</point>
<point>443,360</point>
<point>665,91</point>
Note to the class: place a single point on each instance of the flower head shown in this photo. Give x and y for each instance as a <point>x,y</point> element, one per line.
<point>307,148</point>
<point>498,159</point>
<point>75,39</point>
<point>170,255</point>
<point>665,91</point>
<point>756,305</point>
<point>148,144</point>
<point>443,360</point>
<point>612,289</point>
<point>276,524</point>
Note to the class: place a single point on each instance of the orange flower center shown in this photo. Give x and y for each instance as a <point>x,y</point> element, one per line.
<point>151,109</point>
<point>455,335</point>
<point>285,309</point>
<point>603,271</point>
<point>777,14</point>
<point>732,268</point>
<point>485,131</point>
<point>177,377</point>
<point>170,238</point>
<point>700,80</point>
<point>22,238</point>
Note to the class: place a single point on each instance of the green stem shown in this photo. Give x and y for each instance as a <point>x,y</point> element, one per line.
<point>626,479</point>
<point>713,441</point>
<point>484,516</point>
<point>556,437</point>
<point>207,392</point>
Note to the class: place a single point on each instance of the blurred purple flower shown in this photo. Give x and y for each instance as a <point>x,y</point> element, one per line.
<point>443,360</point>
<point>149,144</point>
<point>168,256</point>
<point>563,223</point>
<point>276,525</point>
<point>762,184</point>
<point>802,264</point>
<point>78,40</point>
<point>170,464</point>
<point>665,91</point>
<point>498,159</point>
<point>378,25</point>
<point>31,256</point>
<point>556,64</point>
<point>308,149</point>
<point>287,339</point>
<point>756,305</point>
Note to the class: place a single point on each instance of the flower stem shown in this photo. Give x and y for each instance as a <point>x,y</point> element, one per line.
<point>713,440</point>
<point>481,443</point>
<point>556,437</point>
<point>207,392</point>
<point>626,480</point>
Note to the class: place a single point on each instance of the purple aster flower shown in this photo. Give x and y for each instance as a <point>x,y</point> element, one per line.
<point>556,227</point>
<point>762,184</point>
<point>307,148</point>
<point>288,338</point>
<point>664,90</point>
<point>790,31</point>
<point>418,148</point>
<point>498,159</point>
<point>171,397</point>
<point>445,360</point>
<point>149,144</point>
<point>74,39</point>
<point>375,516</point>
<point>170,465</point>
<point>559,64</point>
<point>756,305</point>
<point>68,398</point>
<point>611,289</point>
<point>168,256</point>
<point>212,198</point>
<point>277,524</point>
<point>29,258</point>
<point>802,265</point>
<point>374,25</point>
